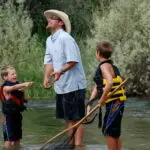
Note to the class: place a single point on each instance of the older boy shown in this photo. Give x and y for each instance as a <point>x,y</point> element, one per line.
<point>107,77</point>
<point>12,97</point>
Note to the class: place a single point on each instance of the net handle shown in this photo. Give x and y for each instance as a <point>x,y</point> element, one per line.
<point>85,117</point>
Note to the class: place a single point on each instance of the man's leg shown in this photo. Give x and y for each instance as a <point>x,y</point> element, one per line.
<point>79,135</point>
<point>69,125</point>
<point>74,110</point>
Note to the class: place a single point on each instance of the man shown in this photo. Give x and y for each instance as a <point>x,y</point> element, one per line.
<point>63,62</point>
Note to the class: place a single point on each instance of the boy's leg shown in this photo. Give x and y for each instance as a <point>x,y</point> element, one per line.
<point>13,129</point>
<point>111,143</point>
<point>118,140</point>
<point>7,144</point>
<point>17,142</point>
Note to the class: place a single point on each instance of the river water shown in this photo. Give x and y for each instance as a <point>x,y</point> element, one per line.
<point>39,125</point>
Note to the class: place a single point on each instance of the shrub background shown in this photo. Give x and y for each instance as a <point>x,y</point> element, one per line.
<point>125,24</point>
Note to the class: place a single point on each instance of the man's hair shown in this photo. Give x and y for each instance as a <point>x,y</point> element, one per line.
<point>4,71</point>
<point>104,49</point>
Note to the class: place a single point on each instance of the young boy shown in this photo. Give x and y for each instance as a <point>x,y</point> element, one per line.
<point>12,97</point>
<point>107,77</point>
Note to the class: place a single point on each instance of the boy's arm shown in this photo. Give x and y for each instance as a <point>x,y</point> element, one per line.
<point>17,86</point>
<point>109,78</point>
<point>93,95</point>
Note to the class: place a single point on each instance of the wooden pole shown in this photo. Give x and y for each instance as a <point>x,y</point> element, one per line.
<point>85,117</point>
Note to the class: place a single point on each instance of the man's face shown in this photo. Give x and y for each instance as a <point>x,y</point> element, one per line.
<point>54,22</point>
<point>12,75</point>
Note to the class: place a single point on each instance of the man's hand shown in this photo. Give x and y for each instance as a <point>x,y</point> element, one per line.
<point>46,83</point>
<point>56,75</point>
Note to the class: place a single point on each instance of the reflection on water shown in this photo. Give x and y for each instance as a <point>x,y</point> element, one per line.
<point>39,125</point>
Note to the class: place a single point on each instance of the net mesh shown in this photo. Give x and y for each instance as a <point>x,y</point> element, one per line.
<point>63,142</point>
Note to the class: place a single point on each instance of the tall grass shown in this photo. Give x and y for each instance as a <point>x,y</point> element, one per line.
<point>20,49</point>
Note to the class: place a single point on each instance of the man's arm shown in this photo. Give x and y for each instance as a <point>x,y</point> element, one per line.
<point>65,68</point>
<point>47,73</point>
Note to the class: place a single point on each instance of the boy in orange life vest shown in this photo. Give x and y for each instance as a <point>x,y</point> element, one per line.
<point>12,97</point>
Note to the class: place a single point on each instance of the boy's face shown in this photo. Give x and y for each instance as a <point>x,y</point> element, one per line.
<point>97,56</point>
<point>12,76</point>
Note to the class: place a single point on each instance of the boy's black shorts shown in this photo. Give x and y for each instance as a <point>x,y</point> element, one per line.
<point>12,127</point>
<point>70,106</point>
<point>114,129</point>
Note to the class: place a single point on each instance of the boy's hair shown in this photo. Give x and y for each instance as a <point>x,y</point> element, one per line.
<point>4,71</point>
<point>104,49</point>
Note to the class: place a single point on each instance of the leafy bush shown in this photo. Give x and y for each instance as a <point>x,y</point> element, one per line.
<point>20,49</point>
<point>127,26</point>
<point>79,11</point>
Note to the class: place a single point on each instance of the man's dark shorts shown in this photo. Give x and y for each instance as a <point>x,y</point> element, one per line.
<point>70,106</point>
<point>12,127</point>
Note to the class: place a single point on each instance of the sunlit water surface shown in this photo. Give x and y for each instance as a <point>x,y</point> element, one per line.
<point>39,125</point>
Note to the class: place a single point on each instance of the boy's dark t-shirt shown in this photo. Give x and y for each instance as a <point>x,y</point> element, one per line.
<point>16,102</point>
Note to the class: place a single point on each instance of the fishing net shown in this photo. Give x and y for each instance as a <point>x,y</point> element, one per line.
<point>62,142</point>
<point>95,114</point>
<point>64,139</point>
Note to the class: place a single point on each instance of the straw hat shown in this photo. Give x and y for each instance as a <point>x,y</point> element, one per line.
<point>63,16</point>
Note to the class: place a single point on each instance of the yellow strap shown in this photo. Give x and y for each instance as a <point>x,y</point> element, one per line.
<point>122,91</point>
<point>118,80</point>
<point>121,98</point>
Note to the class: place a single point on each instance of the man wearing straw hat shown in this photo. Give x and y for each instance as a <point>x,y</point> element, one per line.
<point>63,61</point>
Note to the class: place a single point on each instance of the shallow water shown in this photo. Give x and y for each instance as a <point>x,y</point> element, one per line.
<point>39,125</point>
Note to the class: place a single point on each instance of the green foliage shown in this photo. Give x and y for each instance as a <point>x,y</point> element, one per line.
<point>79,11</point>
<point>127,26</point>
<point>15,33</point>
<point>21,50</point>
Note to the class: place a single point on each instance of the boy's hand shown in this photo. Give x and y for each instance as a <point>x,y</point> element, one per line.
<point>28,84</point>
<point>101,103</point>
